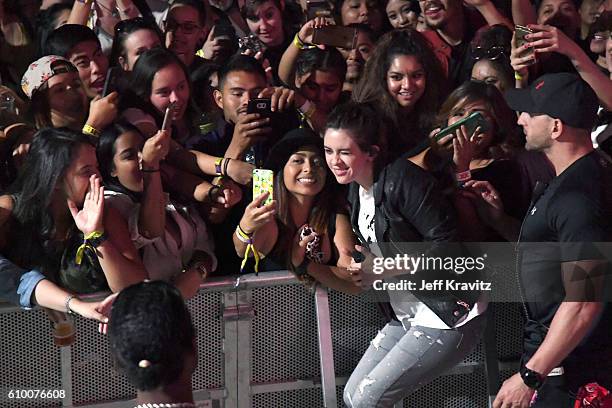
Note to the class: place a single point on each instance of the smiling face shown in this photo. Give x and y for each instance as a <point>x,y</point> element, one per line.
<point>135,44</point>
<point>345,158</point>
<point>438,13</point>
<point>75,183</point>
<point>406,80</point>
<point>462,110</point>
<point>126,161</point>
<point>92,65</point>
<point>362,12</point>
<point>400,14</point>
<point>267,24</point>
<point>170,85</point>
<point>305,172</point>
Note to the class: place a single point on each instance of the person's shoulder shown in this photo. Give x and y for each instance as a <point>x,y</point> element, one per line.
<point>6,208</point>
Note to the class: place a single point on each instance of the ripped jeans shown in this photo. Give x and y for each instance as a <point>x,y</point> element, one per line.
<point>398,361</point>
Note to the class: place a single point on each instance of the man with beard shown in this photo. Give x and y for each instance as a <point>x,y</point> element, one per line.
<point>451,33</point>
<point>564,270</point>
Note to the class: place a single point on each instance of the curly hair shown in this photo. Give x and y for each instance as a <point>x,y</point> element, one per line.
<point>150,322</point>
<point>372,87</point>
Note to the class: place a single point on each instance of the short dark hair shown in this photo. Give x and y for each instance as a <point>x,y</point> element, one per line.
<point>240,63</point>
<point>250,7</point>
<point>45,23</point>
<point>196,4</point>
<point>150,322</point>
<point>63,39</point>
<point>363,121</point>
<point>316,59</point>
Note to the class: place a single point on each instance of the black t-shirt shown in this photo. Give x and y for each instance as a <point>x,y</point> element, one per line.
<point>571,213</point>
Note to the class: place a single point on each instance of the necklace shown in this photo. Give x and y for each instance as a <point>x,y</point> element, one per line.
<point>170,405</point>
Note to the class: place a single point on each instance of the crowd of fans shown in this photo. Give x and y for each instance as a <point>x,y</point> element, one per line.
<point>128,144</point>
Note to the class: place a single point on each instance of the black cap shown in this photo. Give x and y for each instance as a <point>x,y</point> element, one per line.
<point>562,96</point>
<point>289,144</point>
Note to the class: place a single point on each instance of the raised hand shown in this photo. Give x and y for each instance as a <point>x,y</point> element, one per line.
<point>91,217</point>
<point>103,111</point>
<point>156,149</point>
<point>464,146</point>
<point>255,215</point>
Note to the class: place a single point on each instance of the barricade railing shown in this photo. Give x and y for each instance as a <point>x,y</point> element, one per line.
<point>263,342</point>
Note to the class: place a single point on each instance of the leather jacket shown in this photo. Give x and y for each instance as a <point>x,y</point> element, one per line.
<point>409,207</point>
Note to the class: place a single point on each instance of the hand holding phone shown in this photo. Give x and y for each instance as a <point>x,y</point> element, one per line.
<point>335,36</point>
<point>519,35</point>
<point>471,123</point>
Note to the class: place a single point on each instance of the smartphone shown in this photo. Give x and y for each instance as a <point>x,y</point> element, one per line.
<point>250,42</point>
<point>335,36</point>
<point>357,256</point>
<point>167,124</point>
<point>261,106</point>
<point>471,123</point>
<point>111,83</point>
<point>317,8</point>
<point>263,181</point>
<point>519,34</point>
<point>224,32</point>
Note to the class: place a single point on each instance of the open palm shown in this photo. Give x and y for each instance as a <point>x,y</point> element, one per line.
<point>90,217</point>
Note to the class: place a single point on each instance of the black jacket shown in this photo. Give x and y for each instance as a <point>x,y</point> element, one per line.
<point>411,208</point>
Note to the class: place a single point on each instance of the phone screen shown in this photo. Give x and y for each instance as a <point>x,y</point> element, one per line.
<point>519,33</point>
<point>335,36</point>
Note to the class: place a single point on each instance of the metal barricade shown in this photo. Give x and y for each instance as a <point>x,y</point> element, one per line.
<point>263,342</point>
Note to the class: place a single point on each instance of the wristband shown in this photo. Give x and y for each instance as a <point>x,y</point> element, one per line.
<point>218,168</point>
<point>225,164</point>
<point>463,176</point>
<point>92,240</point>
<point>307,109</point>
<point>518,76</point>
<point>90,130</point>
<point>302,269</point>
<point>300,44</point>
<point>67,304</point>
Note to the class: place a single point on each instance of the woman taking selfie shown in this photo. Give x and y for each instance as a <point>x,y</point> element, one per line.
<point>172,238</point>
<point>393,203</point>
<point>301,229</point>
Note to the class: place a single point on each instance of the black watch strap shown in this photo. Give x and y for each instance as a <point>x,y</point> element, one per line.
<point>531,378</point>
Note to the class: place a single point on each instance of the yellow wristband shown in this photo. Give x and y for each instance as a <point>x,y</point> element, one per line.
<point>518,76</point>
<point>90,130</point>
<point>300,44</point>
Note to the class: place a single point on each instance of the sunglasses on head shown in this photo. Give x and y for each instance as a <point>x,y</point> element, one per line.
<point>491,53</point>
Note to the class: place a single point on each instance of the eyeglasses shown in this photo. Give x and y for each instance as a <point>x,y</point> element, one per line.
<point>491,53</point>
<point>186,28</point>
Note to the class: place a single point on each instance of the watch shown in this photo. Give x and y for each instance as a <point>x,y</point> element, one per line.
<point>531,378</point>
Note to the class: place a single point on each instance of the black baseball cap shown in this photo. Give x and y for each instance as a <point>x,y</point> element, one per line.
<point>562,96</point>
<point>289,144</point>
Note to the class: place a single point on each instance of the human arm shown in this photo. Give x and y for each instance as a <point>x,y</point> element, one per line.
<point>547,39</point>
<point>489,12</point>
<point>102,111</point>
<point>258,221</point>
<point>80,12</point>
<point>286,68</point>
<point>523,12</point>
<point>117,256</point>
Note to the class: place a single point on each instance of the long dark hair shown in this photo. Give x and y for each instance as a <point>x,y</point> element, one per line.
<point>123,30</point>
<point>51,153</point>
<point>373,87</point>
<point>105,152</point>
<point>505,131</point>
<point>148,64</point>
<point>151,324</point>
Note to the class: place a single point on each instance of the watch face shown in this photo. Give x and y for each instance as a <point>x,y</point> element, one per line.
<point>531,378</point>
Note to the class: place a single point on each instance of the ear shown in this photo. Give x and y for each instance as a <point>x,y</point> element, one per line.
<point>557,128</point>
<point>123,63</point>
<point>374,152</point>
<point>218,98</point>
